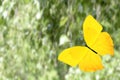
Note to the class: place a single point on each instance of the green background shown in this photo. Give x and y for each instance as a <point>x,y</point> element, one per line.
<point>34,32</point>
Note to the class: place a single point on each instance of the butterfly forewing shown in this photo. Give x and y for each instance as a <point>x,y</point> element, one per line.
<point>91,30</point>
<point>73,55</point>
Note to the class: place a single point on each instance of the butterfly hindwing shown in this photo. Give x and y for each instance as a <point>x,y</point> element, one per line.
<point>104,44</point>
<point>91,62</point>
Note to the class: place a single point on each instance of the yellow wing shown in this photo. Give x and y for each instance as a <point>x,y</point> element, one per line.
<point>72,56</point>
<point>91,62</point>
<point>103,44</point>
<point>91,29</point>
<point>87,60</point>
<point>100,42</point>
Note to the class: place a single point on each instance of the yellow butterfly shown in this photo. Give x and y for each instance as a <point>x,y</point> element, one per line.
<point>88,57</point>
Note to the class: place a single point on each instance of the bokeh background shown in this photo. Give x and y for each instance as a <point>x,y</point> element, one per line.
<point>34,32</point>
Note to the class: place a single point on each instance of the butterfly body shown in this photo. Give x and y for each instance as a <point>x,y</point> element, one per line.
<point>97,43</point>
<point>91,49</point>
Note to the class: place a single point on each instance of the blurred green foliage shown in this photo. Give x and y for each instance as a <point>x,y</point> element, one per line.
<point>34,32</point>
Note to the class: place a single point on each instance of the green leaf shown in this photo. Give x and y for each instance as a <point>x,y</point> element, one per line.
<point>63,20</point>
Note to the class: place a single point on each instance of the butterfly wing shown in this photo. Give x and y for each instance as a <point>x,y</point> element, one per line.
<point>87,59</point>
<point>103,44</point>
<point>91,29</point>
<point>91,62</point>
<point>100,42</point>
<point>73,55</point>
